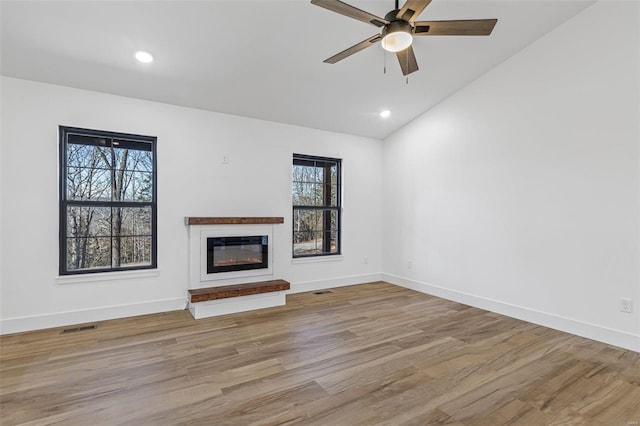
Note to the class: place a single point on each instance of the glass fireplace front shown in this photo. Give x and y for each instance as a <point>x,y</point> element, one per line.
<point>226,254</point>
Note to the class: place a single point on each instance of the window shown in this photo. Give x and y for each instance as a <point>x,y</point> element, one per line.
<point>316,194</point>
<point>107,201</point>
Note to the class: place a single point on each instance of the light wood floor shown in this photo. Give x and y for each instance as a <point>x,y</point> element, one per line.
<point>361,355</point>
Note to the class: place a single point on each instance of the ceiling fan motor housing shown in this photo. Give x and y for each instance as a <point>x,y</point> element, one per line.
<point>396,26</point>
<point>392,15</point>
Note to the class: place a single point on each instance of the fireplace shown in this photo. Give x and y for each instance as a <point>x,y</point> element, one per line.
<point>237,253</point>
<point>230,253</point>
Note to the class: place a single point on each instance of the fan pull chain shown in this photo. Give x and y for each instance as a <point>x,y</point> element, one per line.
<point>407,80</point>
<point>384,55</point>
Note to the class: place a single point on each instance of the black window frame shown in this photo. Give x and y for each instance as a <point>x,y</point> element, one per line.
<point>325,208</point>
<point>65,132</point>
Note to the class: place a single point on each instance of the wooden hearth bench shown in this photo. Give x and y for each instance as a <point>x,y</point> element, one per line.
<point>213,301</point>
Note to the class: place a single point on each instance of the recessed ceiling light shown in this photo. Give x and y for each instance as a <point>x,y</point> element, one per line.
<point>386,113</point>
<point>144,57</point>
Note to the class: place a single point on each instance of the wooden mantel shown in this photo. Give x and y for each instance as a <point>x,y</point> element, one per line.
<point>231,220</point>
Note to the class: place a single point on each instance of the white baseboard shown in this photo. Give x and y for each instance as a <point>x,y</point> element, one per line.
<point>301,287</point>
<point>59,319</point>
<point>591,331</point>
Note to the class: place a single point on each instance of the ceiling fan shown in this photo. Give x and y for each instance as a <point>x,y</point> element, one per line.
<point>399,26</point>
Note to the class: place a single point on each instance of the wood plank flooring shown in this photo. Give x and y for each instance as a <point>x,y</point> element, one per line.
<point>371,354</point>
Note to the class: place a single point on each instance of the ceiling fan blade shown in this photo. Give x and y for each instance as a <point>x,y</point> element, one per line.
<point>407,60</point>
<point>466,27</point>
<point>353,49</point>
<point>350,11</point>
<point>411,9</point>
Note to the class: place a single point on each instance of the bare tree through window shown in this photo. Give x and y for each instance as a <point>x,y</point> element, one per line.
<point>107,201</point>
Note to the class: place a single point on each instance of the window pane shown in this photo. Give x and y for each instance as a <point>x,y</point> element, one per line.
<point>88,173</point>
<point>334,220</point>
<point>316,195</point>
<point>310,229</point>
<point>121,157</point>
<point>141,161</point>
<point>88,184</point>
<point>299,194</point>
<point>298,173</point>
<point>306,173</point>
<point>129,156</point>
<point>132,174</point>
<point>307,243</point>
<point>90,156</point>
<point>135,251</point>
<point>305,221</point>
<point>83,222</point>
<point>132,221</point>
<point>334,195</point>
<point>296,194</point>
<point>137,186</point>
<point>307,194</point>
<point>88,253</point>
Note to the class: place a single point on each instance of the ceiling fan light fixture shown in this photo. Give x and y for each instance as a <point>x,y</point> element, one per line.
<point>396,36</point>
<point>398,28</point>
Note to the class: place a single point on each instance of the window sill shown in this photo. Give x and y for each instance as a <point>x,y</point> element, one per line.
<point>315,259</point>
<point>106,276</point>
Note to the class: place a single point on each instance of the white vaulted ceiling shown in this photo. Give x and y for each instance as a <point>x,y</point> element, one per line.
<point>263,59</point>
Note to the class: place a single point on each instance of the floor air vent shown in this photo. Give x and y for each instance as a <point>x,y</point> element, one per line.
<point>77,329</point>
<point>322,292</point>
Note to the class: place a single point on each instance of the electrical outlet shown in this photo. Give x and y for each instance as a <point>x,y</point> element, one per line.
<point>626,305</point>
<point>366,260</point>
<point>225,159</point>
<point>409,264</point>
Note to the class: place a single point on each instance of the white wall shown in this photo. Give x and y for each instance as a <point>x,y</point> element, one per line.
<point>520,193</point>
<point>192,181</point>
